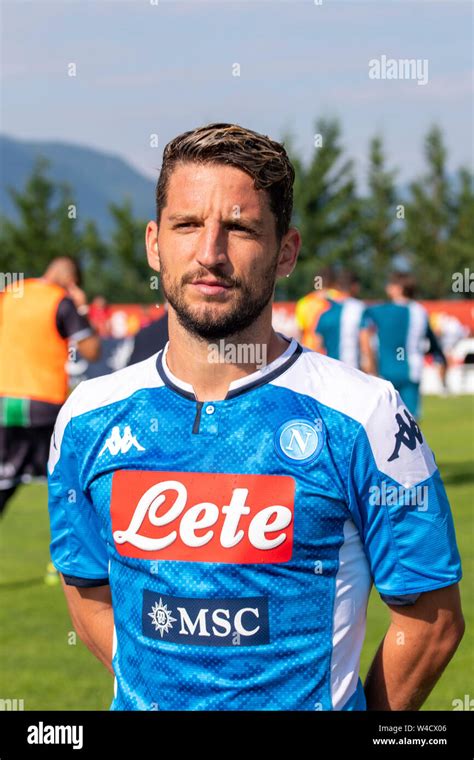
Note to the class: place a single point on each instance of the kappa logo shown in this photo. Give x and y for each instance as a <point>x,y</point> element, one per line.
<point>121,444</point>
<point>300,440</point>
<point>408,433</point>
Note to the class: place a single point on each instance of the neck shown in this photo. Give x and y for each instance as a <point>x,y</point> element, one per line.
<point>211,365</point>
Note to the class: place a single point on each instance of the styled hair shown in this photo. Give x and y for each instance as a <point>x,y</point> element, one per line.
<point>263,159</point>
<point>406,281</point>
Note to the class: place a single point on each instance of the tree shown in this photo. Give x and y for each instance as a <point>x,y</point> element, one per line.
<point>326,209</point>
<point>128,275</point>
<point>460,245</point>
<point>380,227</point>
<point>430,217</point>
<point>45,227</point>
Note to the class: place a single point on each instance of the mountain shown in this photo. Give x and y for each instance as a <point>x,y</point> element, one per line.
<point>96,178</point>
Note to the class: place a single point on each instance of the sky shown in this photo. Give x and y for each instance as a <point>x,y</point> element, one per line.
<point>162,67</point>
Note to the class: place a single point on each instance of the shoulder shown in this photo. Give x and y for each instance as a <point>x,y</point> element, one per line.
<point>386,430</point>
<point>336,385</point>
<point>417,311</point>
<point>100,392</point>
<point>117,386</point>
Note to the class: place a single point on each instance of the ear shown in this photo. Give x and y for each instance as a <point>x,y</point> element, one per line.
<point>151,244</point>
<point>289,250</point>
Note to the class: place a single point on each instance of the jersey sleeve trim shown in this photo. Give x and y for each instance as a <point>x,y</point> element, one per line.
<point>81,335</point>
<point>73,580</point>
<point>401,600</point>
<point>420,589</point>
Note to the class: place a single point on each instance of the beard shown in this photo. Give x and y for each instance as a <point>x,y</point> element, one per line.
<point>202,320</point>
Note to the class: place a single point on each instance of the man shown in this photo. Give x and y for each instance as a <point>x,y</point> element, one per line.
<point>35,330</point>
<point>337,329</point>
<point>222,540</point>
<point>309,308</point>
<point>404,336</point>
<point>150,339</point>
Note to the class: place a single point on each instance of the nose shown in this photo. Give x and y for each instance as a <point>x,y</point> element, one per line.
<point>212,247</point>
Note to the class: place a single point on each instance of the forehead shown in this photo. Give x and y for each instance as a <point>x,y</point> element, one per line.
<point>193,186</point>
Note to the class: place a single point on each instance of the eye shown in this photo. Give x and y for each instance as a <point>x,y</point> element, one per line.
<point>241,228</point>
<point>185,224</point>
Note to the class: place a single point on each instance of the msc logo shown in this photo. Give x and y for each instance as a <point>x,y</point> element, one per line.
<point>121,444</point>
<point>300,440</point>
<point>206,622</point>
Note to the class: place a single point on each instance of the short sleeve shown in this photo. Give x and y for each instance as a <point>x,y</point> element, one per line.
<point>70,324</point>
<point>400,506</point>
<point>367,318</point>
<point>77,548</point>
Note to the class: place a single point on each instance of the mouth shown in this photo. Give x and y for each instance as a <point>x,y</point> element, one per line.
<point>211,287</point>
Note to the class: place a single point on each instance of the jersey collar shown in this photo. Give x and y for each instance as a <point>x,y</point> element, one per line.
<point>236,387</point>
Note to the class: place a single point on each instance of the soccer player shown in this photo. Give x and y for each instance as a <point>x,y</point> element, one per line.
<point>36,326</point>
<point>219,524</point>
<point>309,308</point>
<point>404,336</point>
<point>337,329</point>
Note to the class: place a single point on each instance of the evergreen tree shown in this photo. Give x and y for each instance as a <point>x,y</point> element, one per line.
<point>44,228</point>
<point>326,209</point>
<point>128,276</point>
<point>430,217</point>
<point>460,246</point>
<point>381,229</point>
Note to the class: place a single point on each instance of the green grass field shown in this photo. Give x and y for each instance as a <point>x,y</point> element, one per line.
<point>41,664</point>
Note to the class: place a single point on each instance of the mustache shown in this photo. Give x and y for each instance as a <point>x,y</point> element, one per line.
<point>204,275</point>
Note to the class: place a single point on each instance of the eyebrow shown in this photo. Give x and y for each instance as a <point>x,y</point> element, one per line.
<point>254,224</point>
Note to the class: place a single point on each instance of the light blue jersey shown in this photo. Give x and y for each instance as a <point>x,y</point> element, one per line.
<point>402,331</point>
<point>339,328</point>
<point>241,537</point>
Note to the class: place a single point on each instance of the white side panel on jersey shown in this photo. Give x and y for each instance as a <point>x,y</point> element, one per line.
<point>100,392</point>
<point>373,403</point>
<point>353,584</point>
<point>350,324</point>
<point>417,324</point>
<point>407,465</point>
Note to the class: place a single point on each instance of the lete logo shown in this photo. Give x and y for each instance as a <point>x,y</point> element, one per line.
<point>173,515</point>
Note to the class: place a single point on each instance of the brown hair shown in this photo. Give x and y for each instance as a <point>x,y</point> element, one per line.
<point>263,159</point>
<point>406,281</point>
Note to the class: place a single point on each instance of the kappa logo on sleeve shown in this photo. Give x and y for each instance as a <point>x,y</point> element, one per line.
<point>408,433</point>
<point>203,517</point>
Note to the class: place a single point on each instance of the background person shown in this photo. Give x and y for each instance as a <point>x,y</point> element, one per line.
<point>309,308</point>
<point>35,331</point>
<point>338,327</point>
<point>404,336</point>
